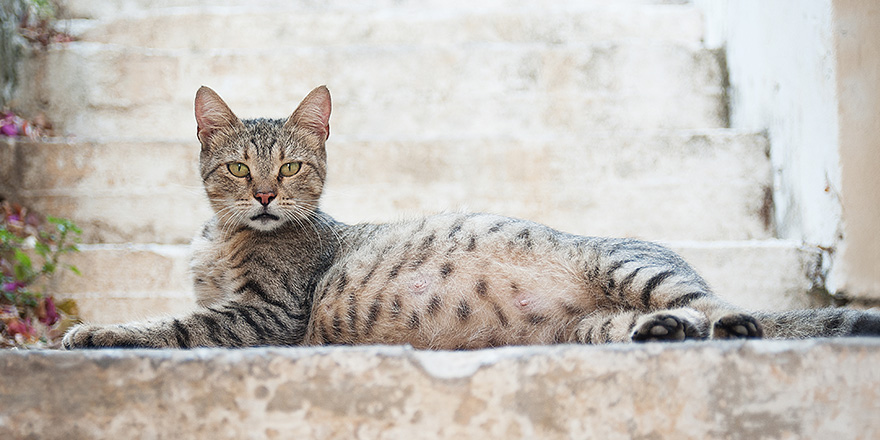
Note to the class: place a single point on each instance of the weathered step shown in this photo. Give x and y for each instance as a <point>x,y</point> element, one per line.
<point>674,185</point>
<point>447,23</point>
<point>99,9</point>
<point>822,389</point>
<point>121,283</point>
<point>131,282</point>
<point>476,90</point>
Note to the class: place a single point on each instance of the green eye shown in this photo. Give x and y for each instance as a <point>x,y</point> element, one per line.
<point>238,169</point>
<point>289,169</point>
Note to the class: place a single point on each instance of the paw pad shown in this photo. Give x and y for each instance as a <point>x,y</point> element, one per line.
<point>737,326</point>
<point>660,328</point>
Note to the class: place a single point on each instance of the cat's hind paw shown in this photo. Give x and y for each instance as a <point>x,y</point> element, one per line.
<point>737,326</point>
<point>665,327</point>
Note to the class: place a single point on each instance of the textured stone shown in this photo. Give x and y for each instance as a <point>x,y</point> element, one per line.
<point>326,24</point>
<point>480,89</point>
<point>694,185</point>
<point>733,390</point>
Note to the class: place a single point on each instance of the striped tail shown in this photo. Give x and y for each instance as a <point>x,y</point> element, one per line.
<point>813,323</point>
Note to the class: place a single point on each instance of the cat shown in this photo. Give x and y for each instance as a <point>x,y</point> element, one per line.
<point>270,268</point>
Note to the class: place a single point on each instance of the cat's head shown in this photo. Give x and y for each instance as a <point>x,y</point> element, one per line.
<point>263,173</point>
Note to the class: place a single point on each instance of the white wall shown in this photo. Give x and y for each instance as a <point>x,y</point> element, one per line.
<point>784,59</point>
<point>780,56</point>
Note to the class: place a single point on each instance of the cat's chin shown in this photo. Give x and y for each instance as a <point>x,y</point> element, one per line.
<point>265,222</point>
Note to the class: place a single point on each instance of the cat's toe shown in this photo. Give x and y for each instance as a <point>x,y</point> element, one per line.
<point>737,326</point>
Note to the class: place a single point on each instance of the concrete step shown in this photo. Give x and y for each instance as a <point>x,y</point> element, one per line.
<point>673,185</point>
<point>279,26</point>
<point>822,389</point>
<point>470,90</point>
<point>122,283</point>
<point>101,10</point>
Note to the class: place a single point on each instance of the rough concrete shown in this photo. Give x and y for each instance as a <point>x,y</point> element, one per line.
<point>721,390</point>
<point>484,89</point>
<point>674,185</point>
<point>375,23</point>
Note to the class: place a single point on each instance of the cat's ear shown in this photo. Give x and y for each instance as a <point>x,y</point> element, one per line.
<point>212,114</point>
<point>313,113</point>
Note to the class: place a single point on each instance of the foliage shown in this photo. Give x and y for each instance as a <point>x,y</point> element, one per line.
<point>23,22</point>
<point>31,248</point>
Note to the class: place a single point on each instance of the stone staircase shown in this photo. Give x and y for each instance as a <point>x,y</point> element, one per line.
<point>593,117</point>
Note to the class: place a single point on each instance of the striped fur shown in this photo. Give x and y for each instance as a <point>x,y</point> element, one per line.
<point>272,269</point>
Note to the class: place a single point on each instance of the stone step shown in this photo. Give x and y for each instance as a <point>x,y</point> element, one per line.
<point>822,389</point>
<point>278,26</point>
<point>101,10</point>
<point>122,283</point>
<point>673,185</point>
<point>469,90</point>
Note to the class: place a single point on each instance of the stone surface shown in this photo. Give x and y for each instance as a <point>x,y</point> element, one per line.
<point>325,24</point>
<point>127,282</point>
<point>731,390</point>
<point>675,185</point>
<point>479,89</point>
<point>122,283</point>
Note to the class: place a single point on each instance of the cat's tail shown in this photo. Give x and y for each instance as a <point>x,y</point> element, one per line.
<point>810,323</point>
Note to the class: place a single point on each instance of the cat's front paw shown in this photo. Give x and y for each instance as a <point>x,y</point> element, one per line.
<point>96,336</point>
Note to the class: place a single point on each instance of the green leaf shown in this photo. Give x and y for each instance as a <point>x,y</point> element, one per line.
<point>74,269</point>
<point>42,249</point>
<point>23,258</point>
<point>49,267</point>
<point>64,225</point>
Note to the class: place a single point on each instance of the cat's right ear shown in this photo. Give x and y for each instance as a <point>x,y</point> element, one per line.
<point>212,115</point>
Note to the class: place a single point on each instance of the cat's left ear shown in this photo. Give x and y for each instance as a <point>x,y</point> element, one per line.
<point>313,113</point>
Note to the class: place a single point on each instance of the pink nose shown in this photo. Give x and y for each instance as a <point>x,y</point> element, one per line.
<point>264,197</point>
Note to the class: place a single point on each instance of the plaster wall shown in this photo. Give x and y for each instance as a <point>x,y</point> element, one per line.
<point>857,32</point>
<point>806,72</point>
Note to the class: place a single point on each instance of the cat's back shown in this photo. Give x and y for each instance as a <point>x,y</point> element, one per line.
<point>452,280</point>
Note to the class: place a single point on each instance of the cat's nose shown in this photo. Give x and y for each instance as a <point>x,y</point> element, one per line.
<point>264,197</point>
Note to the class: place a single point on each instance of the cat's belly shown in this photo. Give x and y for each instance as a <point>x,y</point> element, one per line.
<point>472,301</point>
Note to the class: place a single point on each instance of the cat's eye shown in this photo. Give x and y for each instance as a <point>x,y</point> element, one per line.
<point>289,169</point>
<point>238,169</point>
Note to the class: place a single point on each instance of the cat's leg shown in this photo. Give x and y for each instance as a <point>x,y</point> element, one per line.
<point>232,324</point>
<point>607,326</point>
<point>646,277</point>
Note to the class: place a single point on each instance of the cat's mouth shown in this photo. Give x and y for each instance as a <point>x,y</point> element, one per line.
<point>265,217</point>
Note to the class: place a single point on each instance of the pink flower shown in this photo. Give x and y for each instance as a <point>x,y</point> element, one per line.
<point>17,326</point>
<point>50,316</point>
<point>13,286</point>
<point>9,130</point>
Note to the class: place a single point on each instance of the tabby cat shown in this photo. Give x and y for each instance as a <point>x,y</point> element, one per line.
<point>270,268</point>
